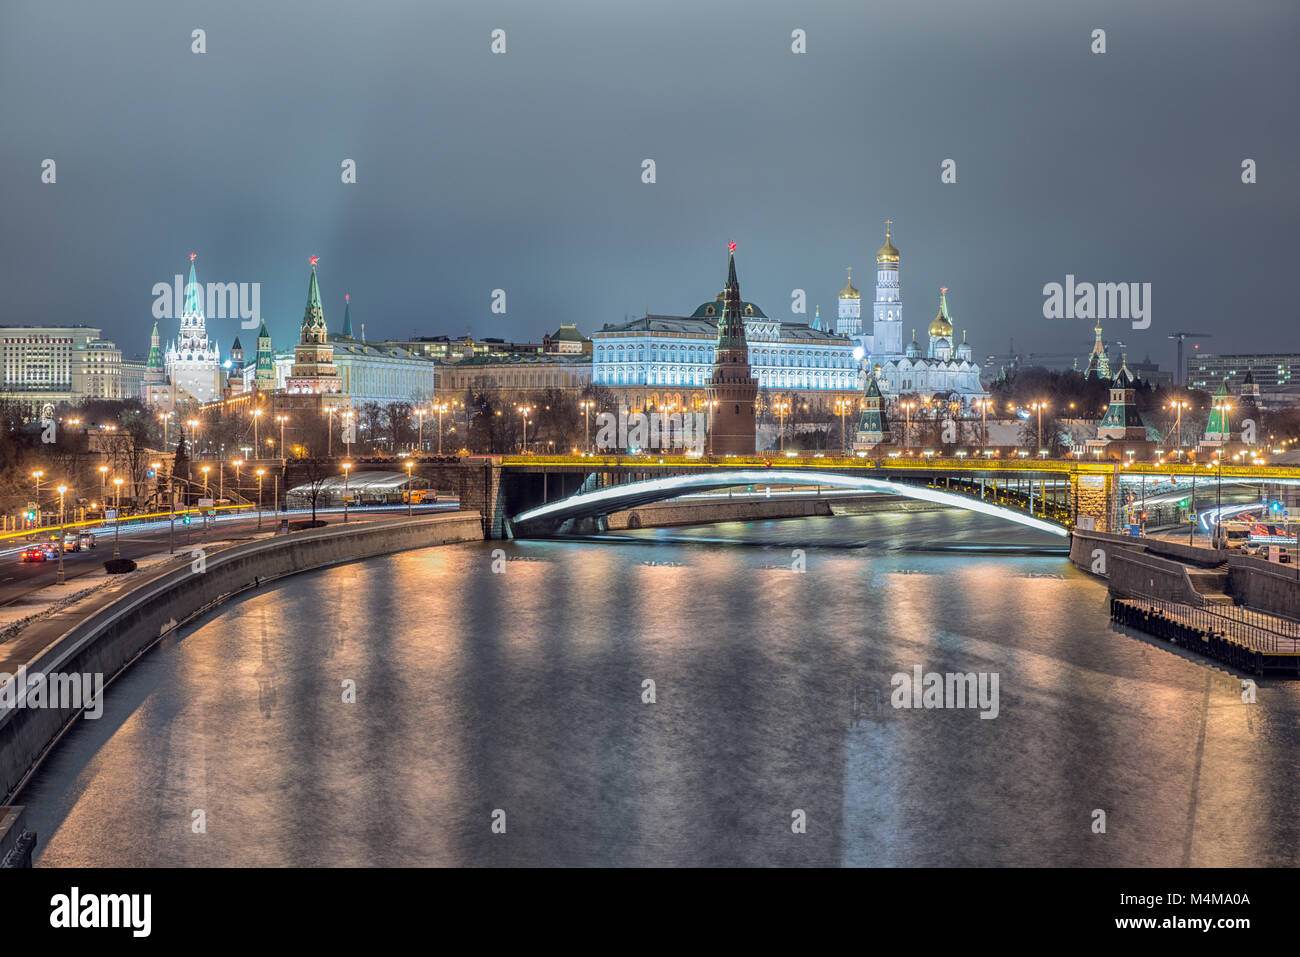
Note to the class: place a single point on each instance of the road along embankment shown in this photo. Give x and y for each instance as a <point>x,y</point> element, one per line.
<point>109,640</point>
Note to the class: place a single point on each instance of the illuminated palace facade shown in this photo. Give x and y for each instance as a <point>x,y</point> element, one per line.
<point>660,360</point>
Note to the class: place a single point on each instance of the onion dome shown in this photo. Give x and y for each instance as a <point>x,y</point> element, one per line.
<point>849,292</point>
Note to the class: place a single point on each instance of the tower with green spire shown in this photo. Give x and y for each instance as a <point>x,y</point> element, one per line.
<point>193,362</point>
<point>347,316</point>
<point>1218,428</point>
<point>264,377</point>
<point>732,388</point>
<point>873,427</point>
<point>313,372</point>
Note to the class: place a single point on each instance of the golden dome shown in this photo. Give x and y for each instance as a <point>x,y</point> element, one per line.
<point>848,292</point>
<point>887,253</point>
<point>940,327</point>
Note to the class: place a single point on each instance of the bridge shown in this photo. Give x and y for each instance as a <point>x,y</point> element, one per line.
<point>540,495</point>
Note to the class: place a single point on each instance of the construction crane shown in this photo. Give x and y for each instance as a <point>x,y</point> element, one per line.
<point>1180,372</point>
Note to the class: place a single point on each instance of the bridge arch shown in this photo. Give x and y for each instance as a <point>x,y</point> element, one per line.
<point>617,498</point>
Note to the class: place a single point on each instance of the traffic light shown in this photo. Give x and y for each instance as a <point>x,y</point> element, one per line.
<point>151,473</point>
<point>186,519</point>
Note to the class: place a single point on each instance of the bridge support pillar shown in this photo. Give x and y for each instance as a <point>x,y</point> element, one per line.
<point>1092,496</point>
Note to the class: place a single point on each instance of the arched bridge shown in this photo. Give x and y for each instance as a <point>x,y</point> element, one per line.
<point>565,513</point>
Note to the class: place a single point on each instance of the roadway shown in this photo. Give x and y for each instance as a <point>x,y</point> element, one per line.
<point>18,579</point>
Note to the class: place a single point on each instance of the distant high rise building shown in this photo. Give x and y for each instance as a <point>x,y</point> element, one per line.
<point>732,389</point>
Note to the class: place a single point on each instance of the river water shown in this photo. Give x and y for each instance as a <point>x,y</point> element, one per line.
<point>506,682</point>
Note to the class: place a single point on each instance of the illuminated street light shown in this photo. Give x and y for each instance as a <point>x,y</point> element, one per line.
<point>117,516</point>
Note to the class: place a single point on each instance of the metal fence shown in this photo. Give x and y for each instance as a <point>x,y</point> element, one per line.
<point>1246,626</point>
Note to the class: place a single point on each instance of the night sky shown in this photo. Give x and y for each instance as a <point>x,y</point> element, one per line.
<point>522,171</point>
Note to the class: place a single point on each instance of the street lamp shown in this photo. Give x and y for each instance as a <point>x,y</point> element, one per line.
<point>523,411</point>
<point>781,407</point>
<point>586,405</point>
<point>1039,407</point>
<point>37,475</point>
<point>194,433</point>
<point>165,416</point>
<point>59,580</point>
<point>907,427</point>
<point>347,468</point>
<point>841,406</point>
<point>419,441</point>
<point>103,476</point>
<point>409,496</point>
<point>237,463</point>
<point>441,407</point>
<point>117,516</point>
<point>260,473</point>
<point>257,417</point>
<point>282,419</point>
<point>1179,405</point>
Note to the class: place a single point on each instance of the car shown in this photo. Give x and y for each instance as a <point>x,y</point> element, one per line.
<point>34,554</point>
<point>87,539</point>
<point>71,543</point>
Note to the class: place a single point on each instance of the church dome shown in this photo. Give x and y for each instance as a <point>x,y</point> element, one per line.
<point>941,326</point>
<point>887,253</point>
<point>849,292</point>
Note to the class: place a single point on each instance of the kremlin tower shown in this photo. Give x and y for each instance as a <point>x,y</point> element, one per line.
<point>313,372</point>
<point>732,389</point>
<point>193,363</point>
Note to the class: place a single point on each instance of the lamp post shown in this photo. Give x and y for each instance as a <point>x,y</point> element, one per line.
<point>713,409</point>
<point>1178,405</point>
<point>282,419</point>
<point>260,473</point>
<point>103,476</point>
<point>37,475</point>
<point>1039,407</point>
<point>441,408</point>
<point>117,517</point>
<point>194,433</point>
<point>907,420</point>
<point>257,416</point>
<point>329,441</point>
<point>409,496</point>
<point>586,406</point>
<point>60,579</point>
<point>347,468</point>
<point>523,411</point>
<point>347,432</point>
<point>781,407</point>
<point>165,416</point>
<point>237,463</point>
<point>842,406</point>
<point>419,440</point>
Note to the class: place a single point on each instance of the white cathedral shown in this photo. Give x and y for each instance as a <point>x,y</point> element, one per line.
<point>193,363</point>
<point>944,367</point>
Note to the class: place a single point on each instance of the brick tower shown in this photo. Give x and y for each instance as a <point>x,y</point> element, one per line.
<point>731,388</point>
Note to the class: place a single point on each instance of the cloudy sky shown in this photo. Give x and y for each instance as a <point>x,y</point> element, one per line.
<point>523,171</point>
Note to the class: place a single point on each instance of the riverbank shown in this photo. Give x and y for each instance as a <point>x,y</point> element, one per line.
<point>107,641</point>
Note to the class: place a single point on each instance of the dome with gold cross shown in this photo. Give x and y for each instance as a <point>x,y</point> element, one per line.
<point>941,325</point>
<point>848,292</point>
<point>887,253</point>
